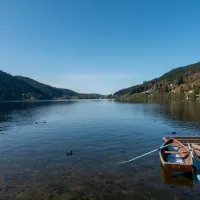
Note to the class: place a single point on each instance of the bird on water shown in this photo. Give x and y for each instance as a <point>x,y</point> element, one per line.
<point>69,153</point>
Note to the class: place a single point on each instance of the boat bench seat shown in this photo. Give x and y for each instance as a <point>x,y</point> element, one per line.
<point>175,152</point>
<point>171,152</point>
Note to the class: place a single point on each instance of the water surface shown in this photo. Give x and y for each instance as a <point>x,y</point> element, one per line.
<point>35,136</point>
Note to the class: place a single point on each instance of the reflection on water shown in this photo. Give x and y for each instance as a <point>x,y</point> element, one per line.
<point>175,178</point>
<point>101,134</point>
<point>181,115</point>
<point>187,110</point>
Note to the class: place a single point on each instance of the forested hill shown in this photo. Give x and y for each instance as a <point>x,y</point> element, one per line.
<point>47,89</point>
<point>181,79</point>
<point>12,88</point>
<point>24,88</point>
<point>59,93</point>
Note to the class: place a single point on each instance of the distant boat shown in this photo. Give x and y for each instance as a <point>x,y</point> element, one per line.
<point>175,157</point>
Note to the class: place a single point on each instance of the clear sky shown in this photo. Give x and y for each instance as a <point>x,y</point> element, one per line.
<point>97,45</point>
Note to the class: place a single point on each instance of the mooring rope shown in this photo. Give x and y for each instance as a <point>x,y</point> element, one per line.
<point>123,162</point>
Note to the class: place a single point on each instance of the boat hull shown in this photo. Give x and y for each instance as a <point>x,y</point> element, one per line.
<point>177,167</point>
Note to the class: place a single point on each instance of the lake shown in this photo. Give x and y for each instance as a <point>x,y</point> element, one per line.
<point>35,136</point>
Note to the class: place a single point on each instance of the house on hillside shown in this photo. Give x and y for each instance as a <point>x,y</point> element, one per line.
<point>198,96</point>
<point>191,94</point>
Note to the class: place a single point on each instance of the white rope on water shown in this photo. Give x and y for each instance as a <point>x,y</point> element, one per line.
<point>123,162</point>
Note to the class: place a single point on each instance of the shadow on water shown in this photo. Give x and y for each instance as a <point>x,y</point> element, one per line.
<point>175,179</point>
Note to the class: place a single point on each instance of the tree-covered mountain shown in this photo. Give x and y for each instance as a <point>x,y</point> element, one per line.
<point>182,79</point>
<point>24,88</point>
<point>12,88</point>
<point>53,92</point>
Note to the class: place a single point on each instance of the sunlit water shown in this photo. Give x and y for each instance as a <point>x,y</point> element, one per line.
<point>101,133</point>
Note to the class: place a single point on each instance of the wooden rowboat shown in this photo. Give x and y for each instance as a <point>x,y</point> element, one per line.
<point>175,157</point>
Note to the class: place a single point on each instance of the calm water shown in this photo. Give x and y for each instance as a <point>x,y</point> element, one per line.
<point>101,133</point>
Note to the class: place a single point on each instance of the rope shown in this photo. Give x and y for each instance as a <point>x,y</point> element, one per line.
<point>123,162</point>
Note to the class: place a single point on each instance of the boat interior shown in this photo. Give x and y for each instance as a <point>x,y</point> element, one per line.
<point>175,153</point>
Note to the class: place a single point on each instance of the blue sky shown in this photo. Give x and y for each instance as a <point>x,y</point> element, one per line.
<point>97,45</point>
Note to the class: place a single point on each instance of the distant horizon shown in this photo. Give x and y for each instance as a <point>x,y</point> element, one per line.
<point>97,46</point>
